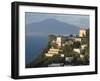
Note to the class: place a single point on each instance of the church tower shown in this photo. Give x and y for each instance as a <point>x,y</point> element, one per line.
<point>82,32</point>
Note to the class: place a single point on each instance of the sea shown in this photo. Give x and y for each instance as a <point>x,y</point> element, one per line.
<point>33,47</point>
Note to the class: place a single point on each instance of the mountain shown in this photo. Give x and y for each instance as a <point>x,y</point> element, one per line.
<point>52,26</point>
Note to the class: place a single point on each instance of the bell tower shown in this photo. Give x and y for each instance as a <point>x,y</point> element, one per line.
<point>82,32</point>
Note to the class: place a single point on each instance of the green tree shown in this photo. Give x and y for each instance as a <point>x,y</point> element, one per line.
<point>76,44</point>
<point>67,50</point>
<point>71,35</point>
<point>51,38</point>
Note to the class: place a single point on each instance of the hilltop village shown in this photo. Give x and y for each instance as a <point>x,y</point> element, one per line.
<point>62,50</point>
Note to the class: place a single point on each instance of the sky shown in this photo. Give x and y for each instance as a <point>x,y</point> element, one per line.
<point>77,20</point>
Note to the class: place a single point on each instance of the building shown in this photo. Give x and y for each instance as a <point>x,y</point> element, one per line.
<point>82,32</point>
<point>59,41</point>
<point>83,46</point>
<point>52,51</point>
<point>77,50</point>
<point>77,39</point>
<point>68,59</point>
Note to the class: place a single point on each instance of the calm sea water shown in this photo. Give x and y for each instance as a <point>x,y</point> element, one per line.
<point>33,47</point>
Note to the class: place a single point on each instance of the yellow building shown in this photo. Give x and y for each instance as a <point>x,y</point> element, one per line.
<point>82,32</point>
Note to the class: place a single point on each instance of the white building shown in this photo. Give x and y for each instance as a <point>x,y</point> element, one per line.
<point>59,41</point>
<point>52,51</point>
<point>48,54</point>
<point>83,46</point>
<point>68,59</point>
<point>81,56</point>
<point>77,50</point>
<point>77,39</point>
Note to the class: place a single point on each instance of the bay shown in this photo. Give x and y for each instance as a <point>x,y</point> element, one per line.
<point>33,47</point>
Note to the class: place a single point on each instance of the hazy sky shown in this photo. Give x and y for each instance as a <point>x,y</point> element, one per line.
<point>77,20</point>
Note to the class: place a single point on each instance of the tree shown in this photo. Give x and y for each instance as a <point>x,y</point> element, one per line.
<point>71,35</point>
<point>67,50</point>
<point>51,38</point>
<point>76,44</point>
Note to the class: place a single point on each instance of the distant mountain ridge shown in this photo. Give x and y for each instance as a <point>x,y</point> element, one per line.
<point>52,26</point>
